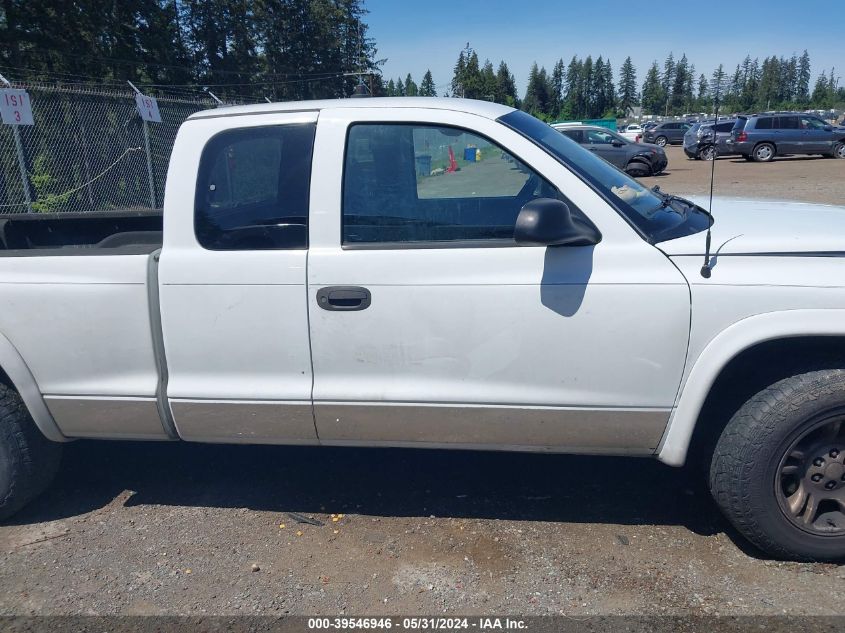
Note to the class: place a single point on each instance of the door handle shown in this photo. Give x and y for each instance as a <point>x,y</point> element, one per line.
<point>343,298</point>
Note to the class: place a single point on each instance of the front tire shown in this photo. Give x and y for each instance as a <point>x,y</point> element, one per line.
<point>778,470</point>
<point>638,169</point>
<point>838,150</point>
<point>28,460</point>
<point>764,153</point>
<point>661,141</point>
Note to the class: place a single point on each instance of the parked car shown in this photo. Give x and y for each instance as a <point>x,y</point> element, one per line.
<point>761,137</point>
<point>667,133</point>
<point>632,132</point>
<point>315,283</point>
<point>638,159</point>
<point>699,143</point>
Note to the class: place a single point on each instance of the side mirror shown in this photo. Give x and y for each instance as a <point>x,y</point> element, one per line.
<point>616,143</point>
<point>549,222</point>
<point>828,128</point>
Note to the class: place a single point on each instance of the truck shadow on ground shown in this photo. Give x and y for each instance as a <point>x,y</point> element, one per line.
<point>378,482</point>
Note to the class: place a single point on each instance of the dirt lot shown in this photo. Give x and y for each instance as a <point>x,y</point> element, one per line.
<point>192,529</point>
<point>804,178</point>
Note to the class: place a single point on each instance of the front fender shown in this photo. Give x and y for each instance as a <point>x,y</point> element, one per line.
<point>730,342</point>
<point>24,382</point>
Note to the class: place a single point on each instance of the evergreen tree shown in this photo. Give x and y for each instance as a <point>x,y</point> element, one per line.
<point>627,87</point>
<point>821,91</point>
<point>558,73</point>
<point>718,84</point>
<point>679,85</point>
<point>472,82</point>
<point>609,91</point>
<point>411,89</point>
<point>574,101</point>
<point>488,81</point>
<point>536,99</point>
<point>802,82</point>
<point>703,90</point>
<point>400,87</point>
<point>427,85</point>
<point>767,90</point>
<point>586,88</point>
<point>653,96</point>
<point>667,81</point>
<point>505,86</point>
<point>391,89</point>
<point>458,76</point>
<point>598,98</point>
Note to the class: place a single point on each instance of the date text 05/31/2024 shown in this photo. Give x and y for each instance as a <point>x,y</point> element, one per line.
<point>418,623</point>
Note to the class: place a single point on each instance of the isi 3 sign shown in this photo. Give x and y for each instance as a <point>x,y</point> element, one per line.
<point>147,108</point>
<point>15,107</point>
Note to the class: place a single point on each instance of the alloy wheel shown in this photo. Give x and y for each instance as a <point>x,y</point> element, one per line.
<point>810,480</point>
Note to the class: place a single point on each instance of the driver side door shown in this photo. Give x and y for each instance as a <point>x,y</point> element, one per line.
<point>602,144</point>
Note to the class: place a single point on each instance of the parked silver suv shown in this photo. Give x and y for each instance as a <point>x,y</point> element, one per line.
<point>761,137</point>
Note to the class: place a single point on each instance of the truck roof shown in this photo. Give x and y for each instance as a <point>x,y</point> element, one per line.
<point>485,109</point>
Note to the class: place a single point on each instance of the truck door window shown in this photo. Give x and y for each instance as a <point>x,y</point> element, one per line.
<point>253,189</point>
<point>424,183</point>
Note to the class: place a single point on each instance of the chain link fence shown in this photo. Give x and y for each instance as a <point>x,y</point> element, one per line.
<point>86,151</point>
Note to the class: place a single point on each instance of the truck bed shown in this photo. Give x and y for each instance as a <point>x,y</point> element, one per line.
<point>126,231</point>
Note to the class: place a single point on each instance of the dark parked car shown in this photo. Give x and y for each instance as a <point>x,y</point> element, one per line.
<point>638,159</point>
<point>699,143</point>
<point>761,137</point>
<point>667,133</point>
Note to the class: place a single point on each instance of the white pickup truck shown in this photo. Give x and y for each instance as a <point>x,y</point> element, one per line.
<point>435,273</point>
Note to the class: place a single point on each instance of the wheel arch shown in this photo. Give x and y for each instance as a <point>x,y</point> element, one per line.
<point>15,373</point>
<point>718,378</point>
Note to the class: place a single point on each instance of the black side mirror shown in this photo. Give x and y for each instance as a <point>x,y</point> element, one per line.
<point>828,128</point>
<point>549,222</point>
<point>616,143</point>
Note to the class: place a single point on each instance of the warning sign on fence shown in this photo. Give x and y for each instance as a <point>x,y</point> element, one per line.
<point>15,107</point>
<point>147,108</point>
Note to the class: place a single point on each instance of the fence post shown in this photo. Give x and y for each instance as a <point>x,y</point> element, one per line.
<point>21,159</point>
<point>79,116</point>
<point>149,165</point>
<point>22,164</point>
<point>150,174</point>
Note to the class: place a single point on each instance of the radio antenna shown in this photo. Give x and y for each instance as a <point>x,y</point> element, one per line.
<point>706,269</point>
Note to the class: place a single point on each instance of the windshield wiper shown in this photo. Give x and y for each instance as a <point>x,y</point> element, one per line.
<point>669,198</point>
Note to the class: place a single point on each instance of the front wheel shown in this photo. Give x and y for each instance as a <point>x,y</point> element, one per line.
<point>28,460</point>
<point>778,471</point>
<point>661,141</point>
<point>838,150</point>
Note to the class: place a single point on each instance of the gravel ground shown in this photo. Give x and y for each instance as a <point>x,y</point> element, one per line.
<point>804,178</point>
<point>194,529</point>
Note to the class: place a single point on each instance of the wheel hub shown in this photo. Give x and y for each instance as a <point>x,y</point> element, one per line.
<point>811,480</point>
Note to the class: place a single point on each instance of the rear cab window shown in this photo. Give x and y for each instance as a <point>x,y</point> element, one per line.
<point>253,188</point>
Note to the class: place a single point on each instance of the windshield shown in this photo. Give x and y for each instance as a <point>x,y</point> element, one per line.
<point>658,217</point>
<point>604,137</point>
